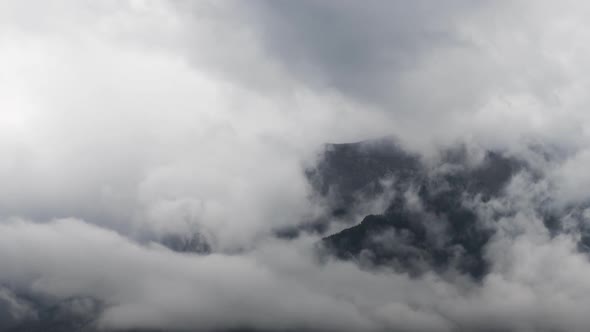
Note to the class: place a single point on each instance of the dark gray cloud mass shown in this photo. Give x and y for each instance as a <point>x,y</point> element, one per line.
<point>152,151</point>
<point>347,44</point>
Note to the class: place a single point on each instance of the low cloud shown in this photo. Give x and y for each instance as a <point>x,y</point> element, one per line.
<point>123,123</point>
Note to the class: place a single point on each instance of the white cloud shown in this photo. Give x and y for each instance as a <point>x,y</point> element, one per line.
<point>144,117</point>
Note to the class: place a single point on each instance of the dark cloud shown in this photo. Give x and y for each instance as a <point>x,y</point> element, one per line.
<point>360,48</point>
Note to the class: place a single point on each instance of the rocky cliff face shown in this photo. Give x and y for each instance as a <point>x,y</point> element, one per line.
<point>433,222</point>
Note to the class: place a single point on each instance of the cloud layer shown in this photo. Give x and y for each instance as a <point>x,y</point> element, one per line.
<point>122,122</point>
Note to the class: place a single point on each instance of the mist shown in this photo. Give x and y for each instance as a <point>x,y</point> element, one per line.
<point>158,163</point>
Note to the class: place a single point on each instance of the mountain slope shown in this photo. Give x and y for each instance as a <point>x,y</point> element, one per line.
<point>429,225</point>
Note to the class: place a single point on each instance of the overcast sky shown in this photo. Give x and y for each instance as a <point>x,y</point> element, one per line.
<point>122,121</point>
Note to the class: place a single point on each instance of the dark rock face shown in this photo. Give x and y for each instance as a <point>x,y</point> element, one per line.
<point>347,171</point>
<point>427,226</point>
<point>190,243</point>
<point>44,314</point>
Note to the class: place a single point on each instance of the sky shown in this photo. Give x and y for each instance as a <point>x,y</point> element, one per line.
<point>122,122</point>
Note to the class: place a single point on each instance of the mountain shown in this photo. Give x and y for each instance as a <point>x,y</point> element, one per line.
<point>429,224</point>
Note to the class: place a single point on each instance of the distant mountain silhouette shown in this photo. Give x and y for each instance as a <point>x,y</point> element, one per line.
<point>426,226</point>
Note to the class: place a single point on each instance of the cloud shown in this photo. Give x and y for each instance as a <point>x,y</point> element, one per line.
<point>157,288</point>
<point>123,122</point>
<point>441,71</point>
